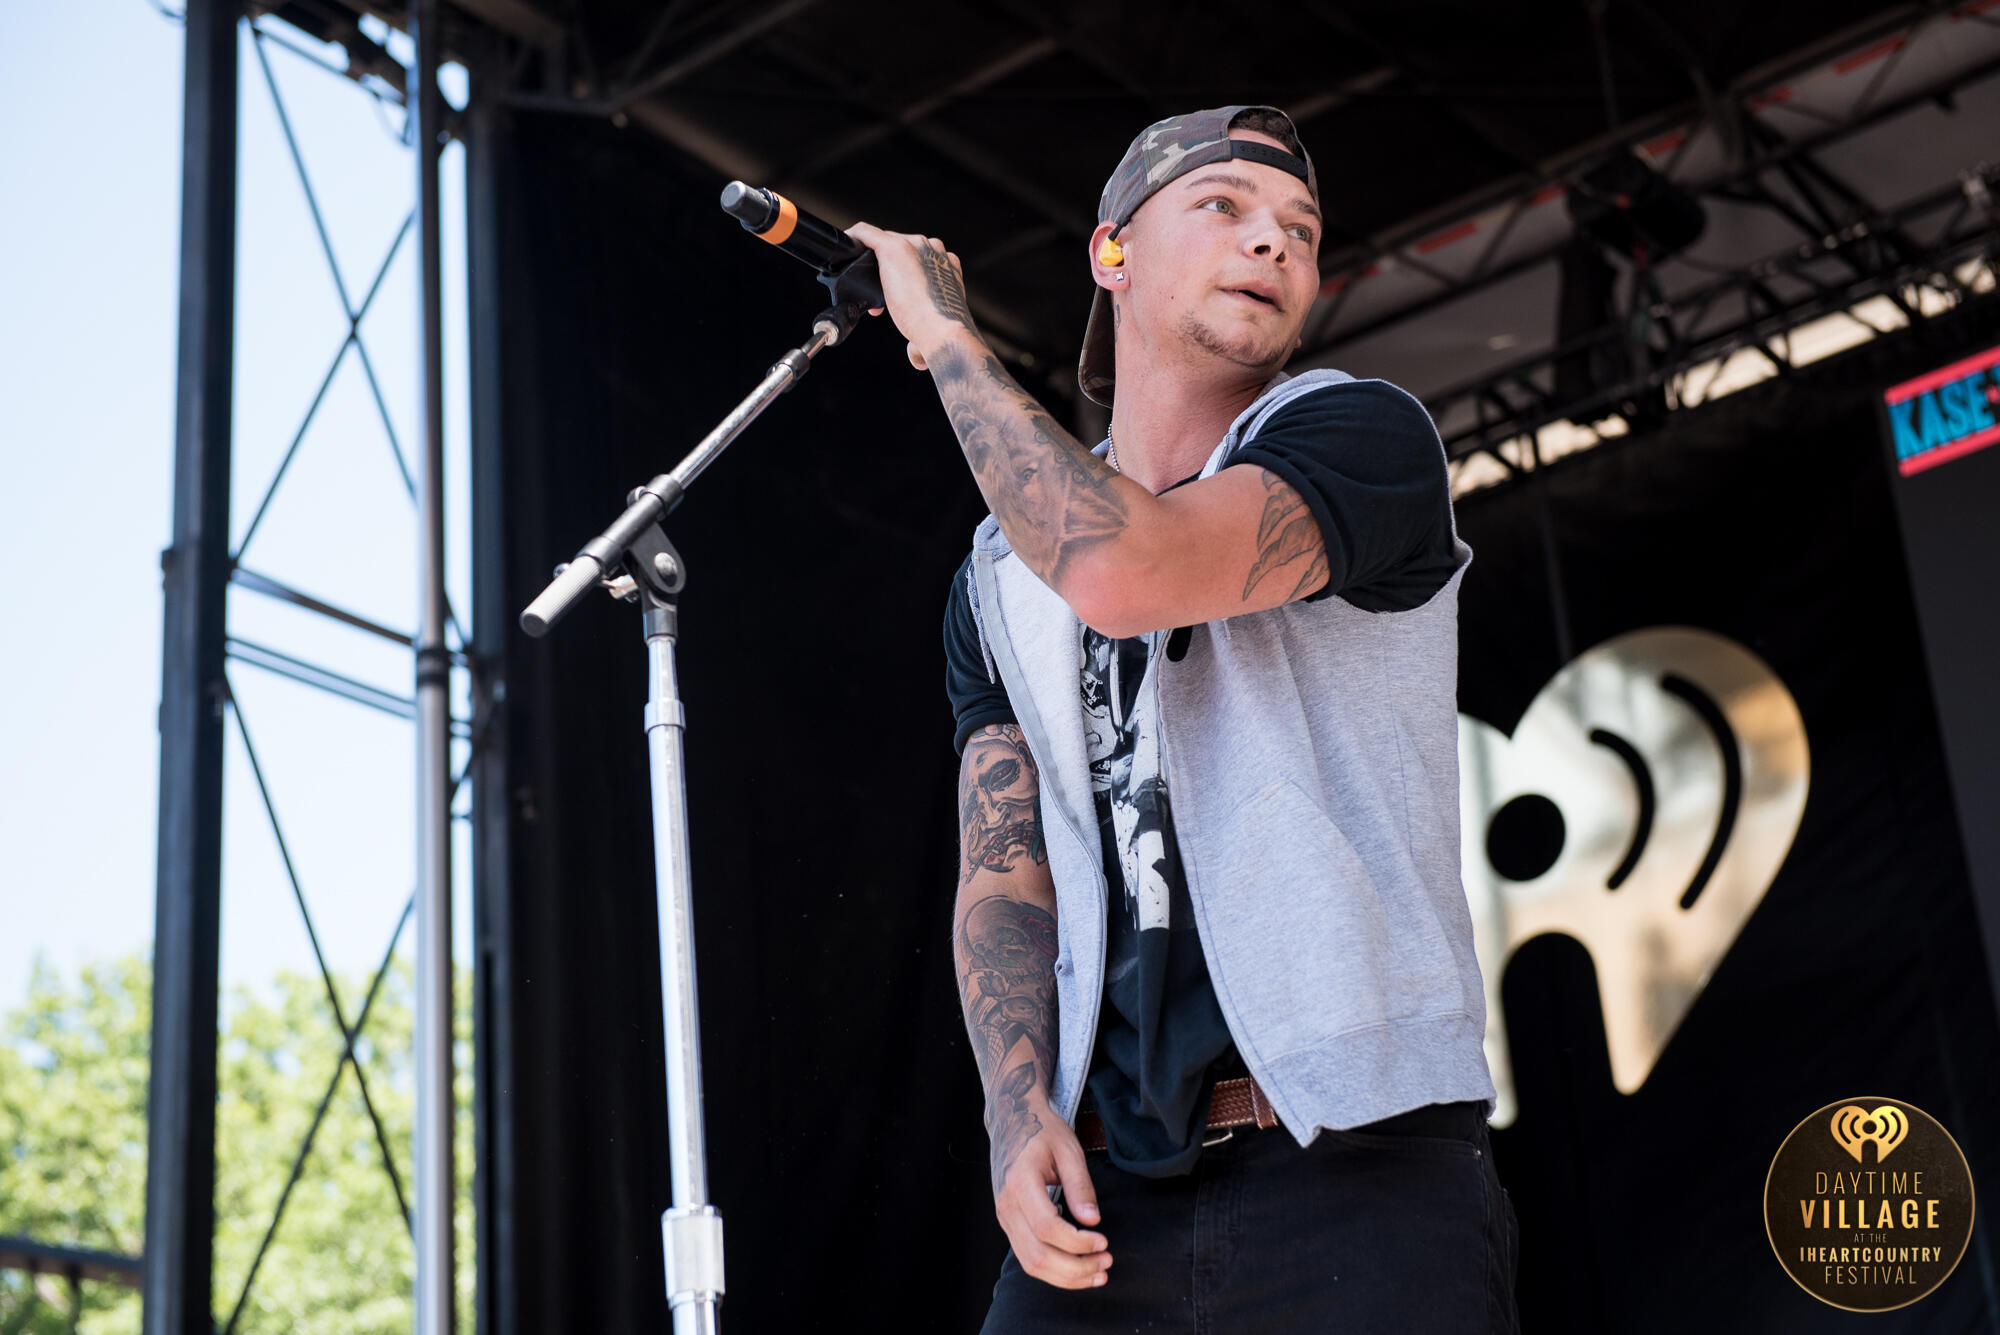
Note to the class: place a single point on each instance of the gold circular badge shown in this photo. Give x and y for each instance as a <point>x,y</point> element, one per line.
<point>1868,1204</point>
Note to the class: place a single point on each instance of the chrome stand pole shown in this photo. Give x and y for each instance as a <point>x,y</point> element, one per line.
<point>633,560</point>
<point>436,1184</point>
<point>691,1232</point>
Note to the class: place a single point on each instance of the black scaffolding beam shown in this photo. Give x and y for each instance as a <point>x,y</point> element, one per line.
<point>1514,401</point>
<point>1772,154</point>
<point>180,1099</point>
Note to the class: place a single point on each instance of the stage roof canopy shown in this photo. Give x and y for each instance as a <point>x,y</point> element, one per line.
<point>1835,146</point>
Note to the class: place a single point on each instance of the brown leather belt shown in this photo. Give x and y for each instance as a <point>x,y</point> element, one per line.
<point>1235,1103</point>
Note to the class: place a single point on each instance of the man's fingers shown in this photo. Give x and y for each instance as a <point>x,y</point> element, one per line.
<point>1063,1266</point>
<point>1047,1245</point>
<point>1077,1187</point>
<point>1038,1215</point>
<point>1060,1268</point>
<point>872,236</point>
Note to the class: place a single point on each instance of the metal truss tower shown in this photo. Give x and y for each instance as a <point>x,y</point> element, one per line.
<point>199,707</point>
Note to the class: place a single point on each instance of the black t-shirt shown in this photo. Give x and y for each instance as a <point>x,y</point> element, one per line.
<point>1365,457</point>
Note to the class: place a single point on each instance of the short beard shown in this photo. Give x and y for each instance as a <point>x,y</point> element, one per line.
<point>1194,331</point>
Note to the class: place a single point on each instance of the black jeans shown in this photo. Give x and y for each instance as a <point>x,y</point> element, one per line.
<point>1399,1227</point>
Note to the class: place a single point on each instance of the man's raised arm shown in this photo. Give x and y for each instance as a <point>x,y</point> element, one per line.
<point>1125,560</point>
<point>1004,945</point>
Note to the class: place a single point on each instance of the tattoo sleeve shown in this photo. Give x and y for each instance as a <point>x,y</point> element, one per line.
<point>1288,541</point>
<point>999,819</point>
<point>1055,500</point>
<point>1004,935</point>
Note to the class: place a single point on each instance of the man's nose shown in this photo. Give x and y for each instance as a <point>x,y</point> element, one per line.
<point>1266,240</point>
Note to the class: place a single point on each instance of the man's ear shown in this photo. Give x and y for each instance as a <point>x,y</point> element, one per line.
<point>1109,257</point>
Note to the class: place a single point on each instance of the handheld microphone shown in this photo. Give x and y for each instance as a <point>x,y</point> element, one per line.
<point>846,266</point>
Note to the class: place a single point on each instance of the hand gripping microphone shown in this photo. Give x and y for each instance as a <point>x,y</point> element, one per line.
<point>845,265</point>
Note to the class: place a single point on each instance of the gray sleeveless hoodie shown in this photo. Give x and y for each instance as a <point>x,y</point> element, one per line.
<point>1312,754</point>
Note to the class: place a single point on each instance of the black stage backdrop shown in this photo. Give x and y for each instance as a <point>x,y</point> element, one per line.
<point>1766,518</point>
<point>616,316</point>
<point>626,315</point>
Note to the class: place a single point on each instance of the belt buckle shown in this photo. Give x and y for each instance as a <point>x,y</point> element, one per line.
<point>1229,1133</point>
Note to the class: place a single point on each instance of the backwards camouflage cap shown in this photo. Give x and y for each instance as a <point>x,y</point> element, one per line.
<point>1163,152</point>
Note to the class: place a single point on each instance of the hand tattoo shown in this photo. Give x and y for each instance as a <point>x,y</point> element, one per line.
<point>946,288</point>
<point>1009,1123</point>
<point>1285,532</point>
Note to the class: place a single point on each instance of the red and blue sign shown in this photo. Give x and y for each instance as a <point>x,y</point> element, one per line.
<point>1945,414</point>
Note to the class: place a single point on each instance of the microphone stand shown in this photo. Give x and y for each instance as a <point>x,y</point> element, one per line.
<point>634,561</point>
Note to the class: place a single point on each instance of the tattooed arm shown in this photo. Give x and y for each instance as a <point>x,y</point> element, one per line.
<point>1125,560</point>
<point>1004,945</point>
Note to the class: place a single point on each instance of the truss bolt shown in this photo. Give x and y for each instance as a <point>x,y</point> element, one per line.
<point>664,566</point>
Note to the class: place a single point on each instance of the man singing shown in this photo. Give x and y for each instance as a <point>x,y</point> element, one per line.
<point>1213,948</point>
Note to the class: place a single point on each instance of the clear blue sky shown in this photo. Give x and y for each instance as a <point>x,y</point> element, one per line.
<point>91,97</point>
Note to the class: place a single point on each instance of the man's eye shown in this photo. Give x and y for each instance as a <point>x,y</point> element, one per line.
<point>1303,233</point>
<point>1221,205</point>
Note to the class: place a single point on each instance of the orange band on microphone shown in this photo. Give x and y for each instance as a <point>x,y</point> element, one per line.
<point>780,231</point>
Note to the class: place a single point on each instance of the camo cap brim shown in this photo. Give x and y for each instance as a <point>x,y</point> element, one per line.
<point>1162,153</point>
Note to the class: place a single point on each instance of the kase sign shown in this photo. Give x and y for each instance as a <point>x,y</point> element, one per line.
<point>1946,413</point>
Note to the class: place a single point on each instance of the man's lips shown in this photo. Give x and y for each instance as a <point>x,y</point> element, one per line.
<point>1263,293</point>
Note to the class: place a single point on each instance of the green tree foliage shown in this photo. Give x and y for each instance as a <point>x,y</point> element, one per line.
<point>73,1071</point>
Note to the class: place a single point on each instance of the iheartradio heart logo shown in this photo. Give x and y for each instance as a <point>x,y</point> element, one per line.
<point>1642,805</point>
<point>1854,1127</point>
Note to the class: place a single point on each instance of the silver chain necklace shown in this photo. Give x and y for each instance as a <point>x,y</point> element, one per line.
<point>1112,442</point>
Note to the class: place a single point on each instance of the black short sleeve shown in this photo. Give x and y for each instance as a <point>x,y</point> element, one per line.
<point>1366,457</point>
<point>976,700</point>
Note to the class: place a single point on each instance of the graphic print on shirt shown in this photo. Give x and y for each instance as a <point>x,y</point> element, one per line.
<point>1121,734</point>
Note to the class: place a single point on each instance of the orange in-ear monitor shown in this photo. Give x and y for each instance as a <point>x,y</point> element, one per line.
<point>1110,253</point>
